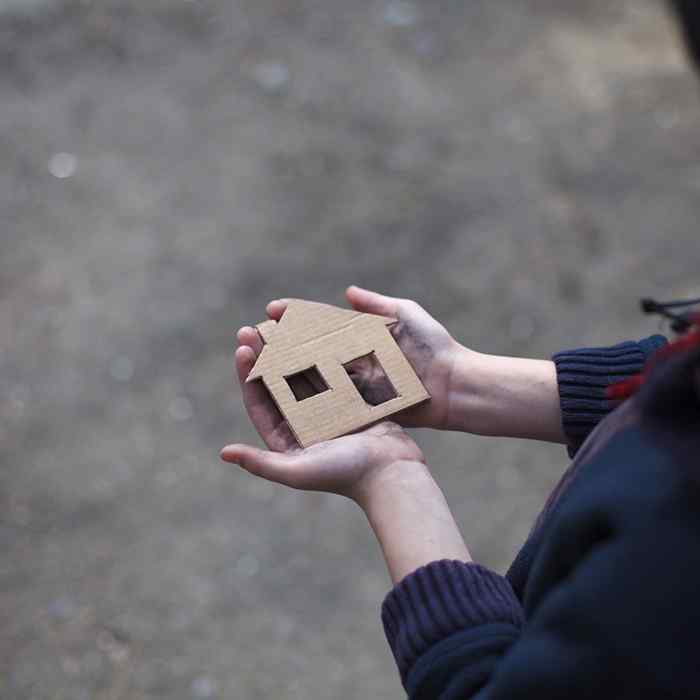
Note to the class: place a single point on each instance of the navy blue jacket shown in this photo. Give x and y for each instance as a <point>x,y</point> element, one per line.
<point>603,600</point>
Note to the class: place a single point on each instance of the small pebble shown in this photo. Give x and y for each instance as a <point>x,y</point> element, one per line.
<point>63,165</point>
<point>271,76</point>
<point>519,129</point>
<point>63,608</point>
<point>121,368</point>
<point>247,566</point>
<point>70,665</point>
<point>401,14</point>
<point>180,409</point>
<point>203,688</point>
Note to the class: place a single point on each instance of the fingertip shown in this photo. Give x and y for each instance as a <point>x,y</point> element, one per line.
<point>241,334</point>
<point>237,454</point>
<point>363,292</point>
<point>369,301</point>
<point>354,293</point>
<point>244,360</point>
<point>251,337</point>
<point>245,352</point>
<point>228,453</point>
<point>276,308</point>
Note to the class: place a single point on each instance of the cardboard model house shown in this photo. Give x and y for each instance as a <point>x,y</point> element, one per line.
<point>322,341</point>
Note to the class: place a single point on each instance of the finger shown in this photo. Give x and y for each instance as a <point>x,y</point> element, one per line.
<point>245,359</point>
<point>263,412</point>
<point>249,336</point>
<point>273,466</point>
<point>372,302</point>
<point>276,308</point>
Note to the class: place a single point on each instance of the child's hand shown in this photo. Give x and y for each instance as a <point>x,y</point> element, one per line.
<point>379,468</point>
<point>430,349</point>
<point>347,466</point>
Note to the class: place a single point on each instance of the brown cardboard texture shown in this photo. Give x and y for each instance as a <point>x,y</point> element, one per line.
<point>324,339</point>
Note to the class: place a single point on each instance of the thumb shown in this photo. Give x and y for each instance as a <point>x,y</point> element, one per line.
<point>273,466</point>
<point>372,302</point>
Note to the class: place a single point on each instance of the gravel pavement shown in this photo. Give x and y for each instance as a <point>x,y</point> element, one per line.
<point>526,169</point>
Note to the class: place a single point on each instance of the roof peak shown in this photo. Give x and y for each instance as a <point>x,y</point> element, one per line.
<point>303,321</point>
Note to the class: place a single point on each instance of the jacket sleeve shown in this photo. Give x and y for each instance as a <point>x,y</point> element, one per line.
<point>611,609</point>
<point>583,376</point>
<point>424,612</point>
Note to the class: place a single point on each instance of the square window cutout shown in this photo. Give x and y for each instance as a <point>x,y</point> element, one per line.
<point>307,383</point>
<point>370,379</point>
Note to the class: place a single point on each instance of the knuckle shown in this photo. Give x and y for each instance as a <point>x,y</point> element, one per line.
<point>408,306</point>
<point>415,306</point>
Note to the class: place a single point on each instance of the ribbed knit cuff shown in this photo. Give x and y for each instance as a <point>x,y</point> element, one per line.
<point>439,600</point>
<point>585,374</point>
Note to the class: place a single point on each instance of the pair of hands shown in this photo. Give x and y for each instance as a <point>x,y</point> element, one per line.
<point>353,464</point>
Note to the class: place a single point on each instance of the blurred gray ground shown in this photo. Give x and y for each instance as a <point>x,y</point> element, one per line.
<point>524,168</point>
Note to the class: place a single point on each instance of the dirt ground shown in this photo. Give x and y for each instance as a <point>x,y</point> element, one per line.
<point>524,168</point>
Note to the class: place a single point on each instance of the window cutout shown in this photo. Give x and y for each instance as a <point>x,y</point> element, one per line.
<point>307,383</point>
<point>370,379</point>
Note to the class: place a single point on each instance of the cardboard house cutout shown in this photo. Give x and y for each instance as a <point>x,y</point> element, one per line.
<point>325,339</point>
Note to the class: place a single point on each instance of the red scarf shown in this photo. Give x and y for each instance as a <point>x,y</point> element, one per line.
<point>628,387</point>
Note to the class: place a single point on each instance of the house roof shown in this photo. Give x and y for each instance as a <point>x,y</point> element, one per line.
<point>302,322</point>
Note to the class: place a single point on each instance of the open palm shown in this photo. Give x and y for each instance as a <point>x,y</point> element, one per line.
<point>343,465</point>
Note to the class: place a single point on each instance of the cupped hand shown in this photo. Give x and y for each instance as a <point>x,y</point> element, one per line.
<point>347,465</point>
<point>425,342</point>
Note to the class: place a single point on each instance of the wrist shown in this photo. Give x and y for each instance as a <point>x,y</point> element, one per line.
<point>399,477</point>
<point>471,402</point>
<point>411,519</point>
<point>505,396</point>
